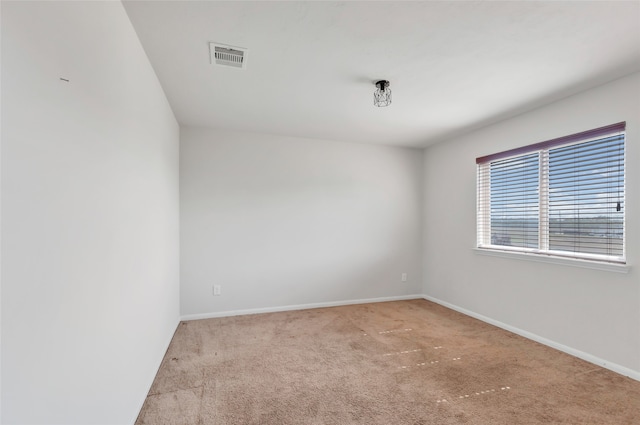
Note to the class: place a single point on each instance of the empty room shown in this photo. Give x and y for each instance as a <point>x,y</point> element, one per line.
<point>351,212</point>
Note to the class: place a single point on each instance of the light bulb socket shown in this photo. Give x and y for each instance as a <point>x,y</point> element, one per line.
<point>382,84</point>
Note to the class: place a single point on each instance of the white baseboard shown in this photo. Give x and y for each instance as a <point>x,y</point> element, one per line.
<point>633,374</point>
<point>622,370</point>
<point>297,307</point>
<point>166,348</point>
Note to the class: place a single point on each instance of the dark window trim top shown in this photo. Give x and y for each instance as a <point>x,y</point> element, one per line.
<point>596,132</point>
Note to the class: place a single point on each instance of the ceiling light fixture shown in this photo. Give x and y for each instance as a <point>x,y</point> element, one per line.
<point>382,96</point>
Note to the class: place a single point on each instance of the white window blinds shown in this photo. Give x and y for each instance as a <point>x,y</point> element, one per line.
<point>563,197</point>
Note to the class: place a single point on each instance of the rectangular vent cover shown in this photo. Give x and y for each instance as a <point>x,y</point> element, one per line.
<point>223,55</point>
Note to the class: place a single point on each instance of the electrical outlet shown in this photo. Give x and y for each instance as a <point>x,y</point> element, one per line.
<point>216,289</point>
<point>404,277</point>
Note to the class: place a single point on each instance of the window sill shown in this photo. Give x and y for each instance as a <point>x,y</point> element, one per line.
<point>573,262</point>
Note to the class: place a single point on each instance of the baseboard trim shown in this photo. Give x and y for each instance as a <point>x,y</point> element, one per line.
<point>622,370</point>
<point>229,313</point>
<point>166,348</point>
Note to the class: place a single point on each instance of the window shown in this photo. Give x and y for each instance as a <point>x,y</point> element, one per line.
<point>563,197</point>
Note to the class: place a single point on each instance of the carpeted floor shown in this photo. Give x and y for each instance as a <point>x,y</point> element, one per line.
<point>406,362</point>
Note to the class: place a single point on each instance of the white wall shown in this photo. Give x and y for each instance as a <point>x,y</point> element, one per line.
<point>280,221</point>
<point>594,312</point>
<point>89,215</point>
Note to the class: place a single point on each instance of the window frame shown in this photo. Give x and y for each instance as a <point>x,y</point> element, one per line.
<point>483,201</point>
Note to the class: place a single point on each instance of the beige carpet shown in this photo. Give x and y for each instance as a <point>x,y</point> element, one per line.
<point>406,362</point>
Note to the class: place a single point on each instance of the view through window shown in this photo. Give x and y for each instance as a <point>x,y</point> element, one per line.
<point>563,197</point>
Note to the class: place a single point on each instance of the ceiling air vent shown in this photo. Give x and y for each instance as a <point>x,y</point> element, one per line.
<point>223,55</point>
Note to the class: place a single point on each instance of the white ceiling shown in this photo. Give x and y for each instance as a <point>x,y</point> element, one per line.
<point>453,66</point>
